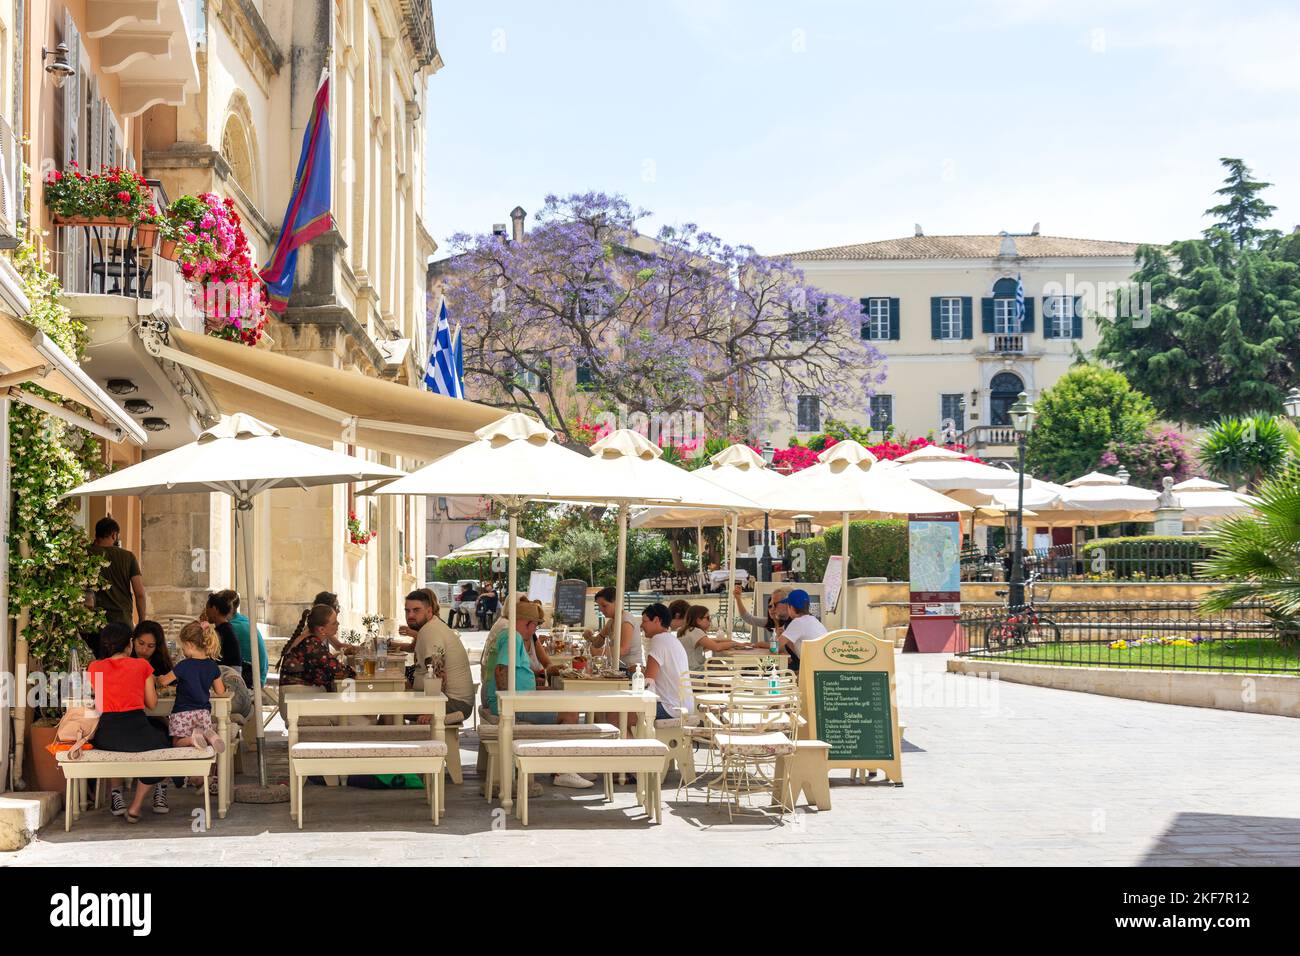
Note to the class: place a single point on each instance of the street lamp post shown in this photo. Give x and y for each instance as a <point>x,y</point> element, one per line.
<point>1022,419</point>
<point>765,574</point>
<point>1292,404</point>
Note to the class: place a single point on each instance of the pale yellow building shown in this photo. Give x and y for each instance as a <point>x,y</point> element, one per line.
<point>942,310</point>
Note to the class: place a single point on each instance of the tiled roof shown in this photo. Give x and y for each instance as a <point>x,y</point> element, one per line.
<point>970,247</point>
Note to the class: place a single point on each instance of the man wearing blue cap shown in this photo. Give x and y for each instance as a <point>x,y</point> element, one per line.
<point>801,627</point>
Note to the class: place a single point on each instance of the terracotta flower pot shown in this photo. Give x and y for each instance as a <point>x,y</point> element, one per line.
<point>145,233</point>
<point>167,250</point>
<point>40,769</point>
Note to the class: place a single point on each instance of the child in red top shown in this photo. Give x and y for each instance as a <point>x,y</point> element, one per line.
<point>124,687</point>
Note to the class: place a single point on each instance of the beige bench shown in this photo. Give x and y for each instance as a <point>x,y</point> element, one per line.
<point>344,757</point>
<point>806,771</point>
<point>489,740</point>
<point>363,732</point>
<point>643,756</point>
<point>108,764</point>
<point>672,732</point>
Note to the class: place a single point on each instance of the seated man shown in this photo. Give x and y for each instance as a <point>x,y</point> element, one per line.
<point>801,627</point>
<point>439,645</point>
<point>528,615</point>
<point>666,664</point>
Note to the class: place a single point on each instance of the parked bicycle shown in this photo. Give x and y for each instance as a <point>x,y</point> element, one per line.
<point>1022,626</point>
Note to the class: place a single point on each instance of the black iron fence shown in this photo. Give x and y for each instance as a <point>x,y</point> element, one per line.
<point>1172,635</point>
<point>1131,560</point>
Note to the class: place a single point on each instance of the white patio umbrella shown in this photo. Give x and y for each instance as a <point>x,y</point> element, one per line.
<point>514,461</point>
<point>1203,500</point>
<point>494,544</point>
<point>942,469</point>
<point>628,463</point>
<point>1097,498</point>
<point>242,457</point>
<point>845,484</point>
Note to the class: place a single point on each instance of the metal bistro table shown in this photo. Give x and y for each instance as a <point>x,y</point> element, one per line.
<point>353,703</point>
<point>225,761</point>
<point>621,702</point>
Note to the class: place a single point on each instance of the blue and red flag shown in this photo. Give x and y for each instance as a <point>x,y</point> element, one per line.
<point>308,215</point>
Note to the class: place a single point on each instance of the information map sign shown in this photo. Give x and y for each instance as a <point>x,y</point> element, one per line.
<point>934,563</point>
<point>850,699</point>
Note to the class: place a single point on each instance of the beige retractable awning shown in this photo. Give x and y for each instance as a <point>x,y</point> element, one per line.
<point>328,403</point>
<point>29,357</point>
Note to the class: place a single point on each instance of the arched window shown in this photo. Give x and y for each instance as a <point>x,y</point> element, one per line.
<point>1006,320</point>
<point>239,149</point>
<point>1003,392</point>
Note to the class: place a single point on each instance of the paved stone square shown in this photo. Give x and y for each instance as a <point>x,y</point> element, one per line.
<point>996,773</point>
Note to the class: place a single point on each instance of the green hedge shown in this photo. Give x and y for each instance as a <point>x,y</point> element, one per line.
<point>452,570</point>
<point>876,549</point>
<point>1170,557</point>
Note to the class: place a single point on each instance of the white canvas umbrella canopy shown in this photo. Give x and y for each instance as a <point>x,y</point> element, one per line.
<point>1097,498</point>
<point>1204,500</point>
<point>627,463</point>
<point>942,469</point>
<point>513,461</point>
<point>845,483</point>
<point>491,545</point>
<point>242,457</point>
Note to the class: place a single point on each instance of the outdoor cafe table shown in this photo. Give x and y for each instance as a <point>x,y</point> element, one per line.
<point>225,761</point>
<point>357,703</point>
<point>621,702</point>
<point>597,683</point>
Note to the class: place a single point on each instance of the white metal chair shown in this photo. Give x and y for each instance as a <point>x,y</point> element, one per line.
<point>755,728</point>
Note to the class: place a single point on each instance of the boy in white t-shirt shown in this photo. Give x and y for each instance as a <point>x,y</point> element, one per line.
<point>666,664</point>
<point>802,627</point>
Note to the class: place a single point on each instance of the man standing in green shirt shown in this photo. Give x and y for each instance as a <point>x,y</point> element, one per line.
<point>121,591</point>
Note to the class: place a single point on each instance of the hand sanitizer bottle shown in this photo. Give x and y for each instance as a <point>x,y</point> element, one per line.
<point>773,646</point>
<point>638,680</point>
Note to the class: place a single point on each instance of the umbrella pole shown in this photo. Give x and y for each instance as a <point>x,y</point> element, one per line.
<point>243,514</point>
<point>699,553</point>
<point>842,599</point>
<point>731,576</point>
<point>514,600</point>
<point>616,628</point>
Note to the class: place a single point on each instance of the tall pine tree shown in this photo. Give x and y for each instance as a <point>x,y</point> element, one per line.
<point>1224,315</point>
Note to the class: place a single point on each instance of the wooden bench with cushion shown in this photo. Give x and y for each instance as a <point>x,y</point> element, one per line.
<point>642,756</point>
<point>342,757</point>
<point>488,735</point>
<point>681,750</point>
<point>806,771</point>
<point>362,732</point>
<point>108,764</point>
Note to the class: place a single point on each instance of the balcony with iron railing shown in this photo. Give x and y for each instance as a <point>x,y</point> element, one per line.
<point>109,268</point>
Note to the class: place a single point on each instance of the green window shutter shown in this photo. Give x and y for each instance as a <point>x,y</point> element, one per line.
<point>934,317</point>
<point>1076,327</point>
<point>1027,323</point>
<point>986,308</point>
<point>864,326</point>
<point>967,317</point>
<point>894,327</point>
<point>1049,322</point>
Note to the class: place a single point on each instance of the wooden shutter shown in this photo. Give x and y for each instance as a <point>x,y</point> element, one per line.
<point>986,308</point>
<point>95,109</point>
<point>1027,323</point>
<point>75,265</point>
<point>1049,320</point>
<point>936,322</point>
<point>1076,325</point>
<point>967,317</point>
<point>894,326</point>
<point>864,326</point>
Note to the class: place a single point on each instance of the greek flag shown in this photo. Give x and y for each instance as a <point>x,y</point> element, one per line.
<point>441,375</point>
<point>1020,304</point>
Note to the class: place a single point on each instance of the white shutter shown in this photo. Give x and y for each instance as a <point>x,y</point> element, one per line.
<point>95,107</point>
<point>74,149</point>
<point>111,138</point>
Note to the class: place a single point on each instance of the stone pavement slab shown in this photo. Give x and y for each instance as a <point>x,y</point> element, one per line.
<point>996,773</point>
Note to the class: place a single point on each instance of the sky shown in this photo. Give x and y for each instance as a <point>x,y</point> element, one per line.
<point>799,126</point>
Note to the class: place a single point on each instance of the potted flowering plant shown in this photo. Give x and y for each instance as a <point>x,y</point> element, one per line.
<point>114,197</point>
<point>179,224</point>
<point>355,534</point>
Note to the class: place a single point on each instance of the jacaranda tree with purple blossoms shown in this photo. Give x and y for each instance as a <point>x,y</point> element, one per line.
<point>682,322</point>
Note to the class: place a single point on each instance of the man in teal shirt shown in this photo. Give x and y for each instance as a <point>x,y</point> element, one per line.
<point>528,615</point>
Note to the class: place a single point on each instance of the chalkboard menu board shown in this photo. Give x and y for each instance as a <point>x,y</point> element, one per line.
<point>854,715</point>
<point>570,601</point>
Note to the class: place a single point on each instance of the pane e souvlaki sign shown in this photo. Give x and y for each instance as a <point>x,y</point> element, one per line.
<point>934,563</point>
<point>850,699</point>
